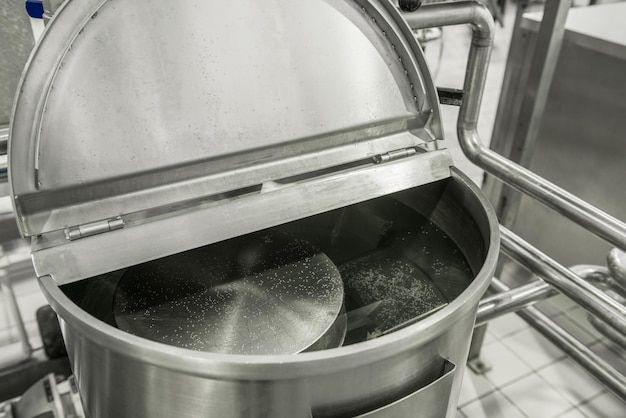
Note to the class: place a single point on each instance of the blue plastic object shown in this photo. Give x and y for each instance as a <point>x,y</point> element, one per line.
<point>34,8</point>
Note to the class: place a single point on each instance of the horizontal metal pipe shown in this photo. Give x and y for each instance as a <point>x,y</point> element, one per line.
<point>588,296</point>
<point>589,217</point>
<point>517,298</point>
<point>576,350</point>
<point>454,13</point>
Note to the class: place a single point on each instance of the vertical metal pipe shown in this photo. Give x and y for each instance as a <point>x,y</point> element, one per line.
<point>577,351</point>
<point>481,21</point>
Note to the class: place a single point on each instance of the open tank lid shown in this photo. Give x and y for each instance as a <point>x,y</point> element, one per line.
<point>131,110</point>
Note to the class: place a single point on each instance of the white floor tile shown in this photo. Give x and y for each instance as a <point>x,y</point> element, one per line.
<point>604,406</point>
<point>474,386</point>
<point>533,349</point>
<point>506,325</point>
<point>573,383</point>
<point>459,414</point>
<point>506,366</point>
<point>491,406</point>
<point>536,398</point>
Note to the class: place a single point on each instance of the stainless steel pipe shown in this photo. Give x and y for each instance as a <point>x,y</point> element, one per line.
<point>444,14</point>
<point>579,211</point>
<point>588,296</point>
<point>512,300</point>
<point>586,215</point>
<point>598,274</point>
<point>576,350</point>
<point>608,331</point>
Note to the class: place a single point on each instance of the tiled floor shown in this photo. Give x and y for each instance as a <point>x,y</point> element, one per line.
<point>529,376</point>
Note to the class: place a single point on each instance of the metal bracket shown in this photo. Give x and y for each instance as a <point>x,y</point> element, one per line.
<point>478,366</point>
<point>450,96</point>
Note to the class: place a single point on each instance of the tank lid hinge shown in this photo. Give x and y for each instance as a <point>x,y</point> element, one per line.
<point>94,228</point>
<point>394,155</point>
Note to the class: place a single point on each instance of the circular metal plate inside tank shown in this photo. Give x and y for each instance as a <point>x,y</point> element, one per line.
<point>263,293</point>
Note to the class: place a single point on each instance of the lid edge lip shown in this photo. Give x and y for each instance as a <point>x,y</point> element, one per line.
<point>435,125</point>
<point>31,93</point>
<point>204,224</point>
<point>99,202</point>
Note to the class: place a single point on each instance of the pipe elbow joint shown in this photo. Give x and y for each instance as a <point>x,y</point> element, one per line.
<point>483,24</point>
<point>470,142</point>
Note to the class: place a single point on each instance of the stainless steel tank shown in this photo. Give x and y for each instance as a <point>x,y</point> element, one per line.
<point>146,129</point>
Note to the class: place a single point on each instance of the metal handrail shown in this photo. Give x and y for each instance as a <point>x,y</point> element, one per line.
<point>589,217</point>
<point>569,283</point>
<point>584,214</point>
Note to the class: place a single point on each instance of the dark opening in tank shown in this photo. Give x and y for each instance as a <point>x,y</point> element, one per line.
<point>398,258</point>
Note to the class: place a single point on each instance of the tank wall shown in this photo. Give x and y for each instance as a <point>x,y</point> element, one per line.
<point>123,377</point>
<point>142,389</point>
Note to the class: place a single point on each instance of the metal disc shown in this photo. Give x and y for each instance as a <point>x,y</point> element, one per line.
<point>263,293</point>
